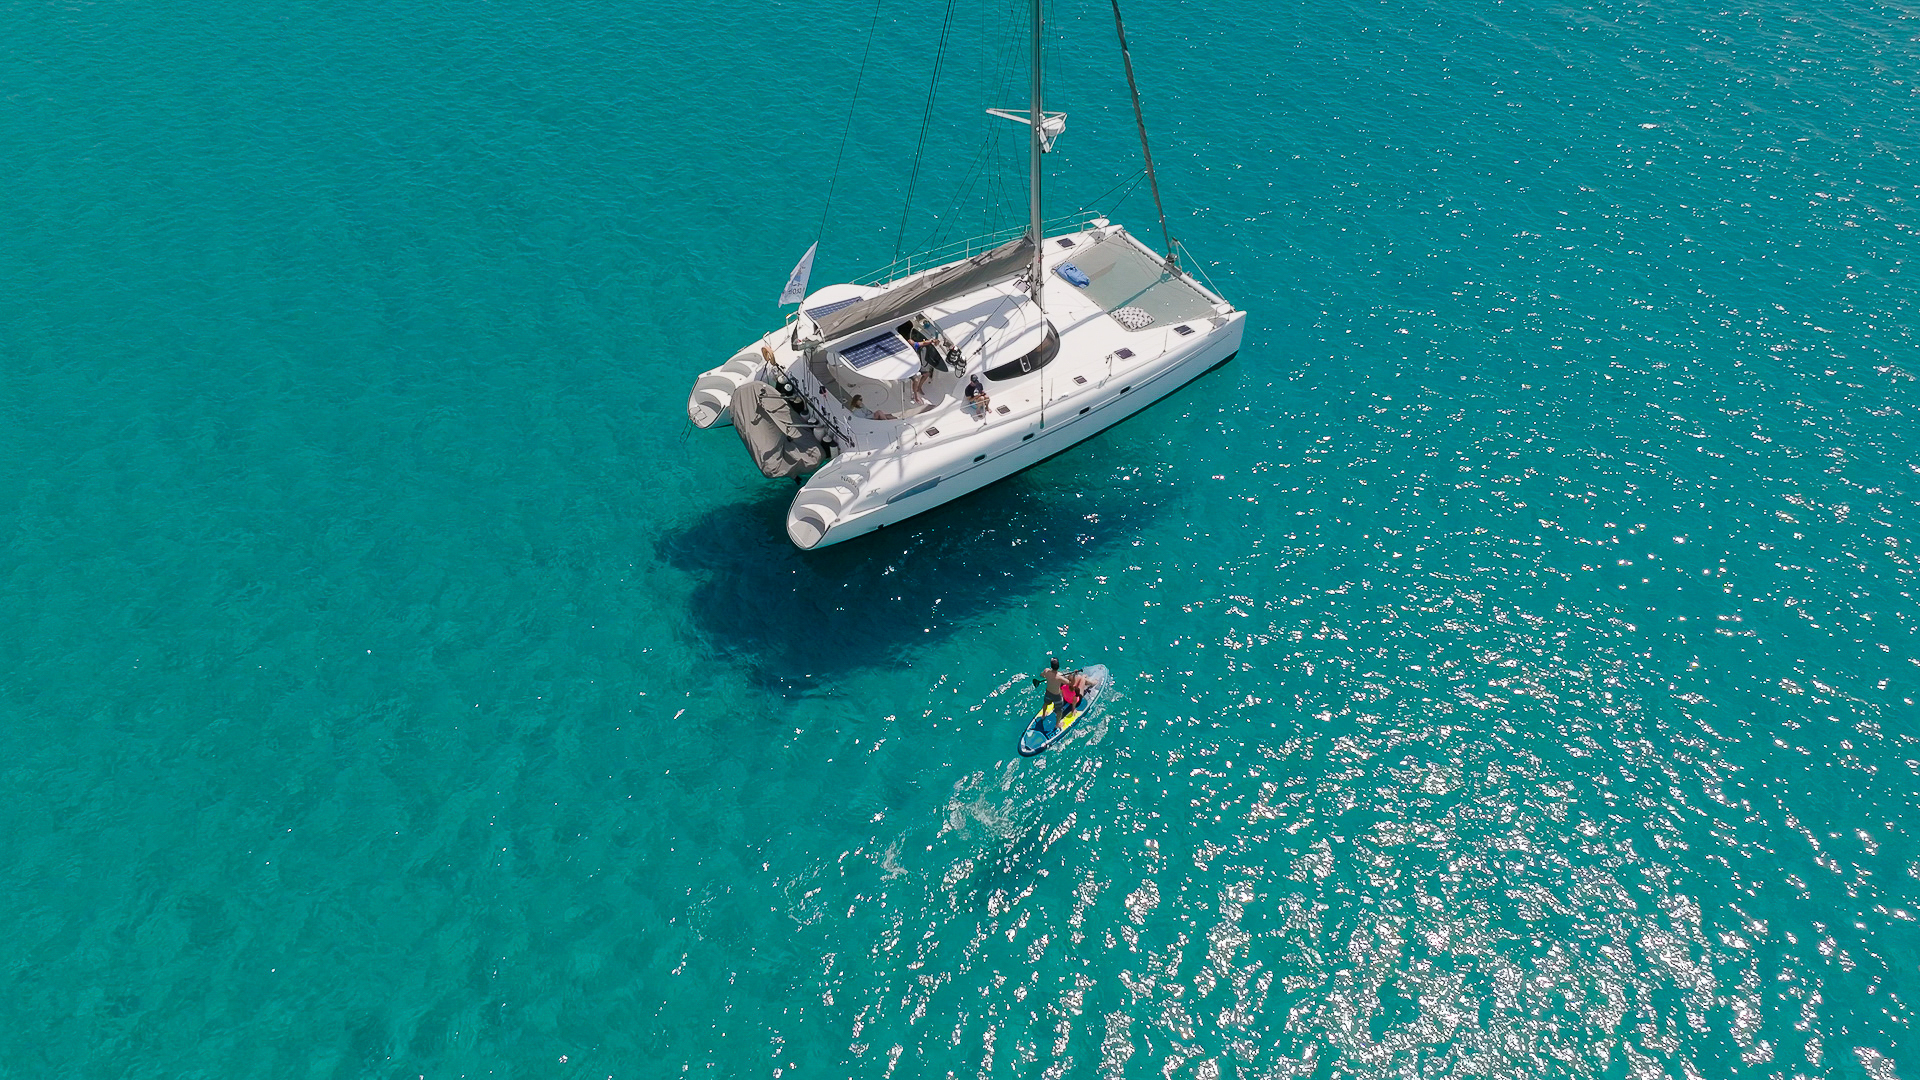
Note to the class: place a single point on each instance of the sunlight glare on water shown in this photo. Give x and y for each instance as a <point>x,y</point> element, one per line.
<point>1514,648</point>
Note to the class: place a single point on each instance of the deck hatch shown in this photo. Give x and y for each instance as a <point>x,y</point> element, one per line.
<point>1183,330</point>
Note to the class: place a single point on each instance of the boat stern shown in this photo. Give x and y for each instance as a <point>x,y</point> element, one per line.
<point>819,515</point>
<point>711,402</point>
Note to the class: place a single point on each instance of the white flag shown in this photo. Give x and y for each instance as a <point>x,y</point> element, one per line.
<point>796,289</point>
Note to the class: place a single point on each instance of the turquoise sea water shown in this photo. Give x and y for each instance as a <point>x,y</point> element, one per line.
<point>1515,647</point>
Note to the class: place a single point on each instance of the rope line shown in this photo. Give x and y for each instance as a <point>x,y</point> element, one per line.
<point>970,181</point>
<point>926,119</point>
<point>1130,181</point>
<point>872,32</point>
<point>1140,121</point>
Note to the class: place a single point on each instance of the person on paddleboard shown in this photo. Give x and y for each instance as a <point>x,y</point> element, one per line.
<point>1070,693</point>
<point>1075,692</point>
<point>1055,683</point>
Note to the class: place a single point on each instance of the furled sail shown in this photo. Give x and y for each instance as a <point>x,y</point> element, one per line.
<point>896,304</point>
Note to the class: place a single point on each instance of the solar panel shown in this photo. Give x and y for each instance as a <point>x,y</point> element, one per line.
<point>824,310</point>
<point>872,349</point>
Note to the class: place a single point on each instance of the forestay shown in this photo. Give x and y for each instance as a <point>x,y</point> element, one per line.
<point>896,304</point>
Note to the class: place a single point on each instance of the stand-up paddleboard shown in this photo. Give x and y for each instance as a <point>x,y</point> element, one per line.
<point>1042,732</point>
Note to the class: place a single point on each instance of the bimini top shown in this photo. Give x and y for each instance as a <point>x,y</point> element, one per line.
<point>982,329</point>
<point>895,305</point>
<point>991,326</point>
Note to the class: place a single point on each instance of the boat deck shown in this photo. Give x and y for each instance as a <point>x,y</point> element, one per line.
<point>1125,276</point>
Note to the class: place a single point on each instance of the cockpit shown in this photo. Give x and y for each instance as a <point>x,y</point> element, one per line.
<point>923,362</point>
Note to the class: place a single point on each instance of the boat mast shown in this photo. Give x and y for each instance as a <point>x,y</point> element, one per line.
<point>1038,119</point>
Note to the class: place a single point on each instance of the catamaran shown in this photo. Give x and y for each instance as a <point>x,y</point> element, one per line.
<point>889,398</point>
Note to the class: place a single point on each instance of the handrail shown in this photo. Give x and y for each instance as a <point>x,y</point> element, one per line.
<point>961,249</point>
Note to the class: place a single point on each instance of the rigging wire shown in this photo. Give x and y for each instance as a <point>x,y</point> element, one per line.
<point>1004,72</point>
<point>1130,181</point>
<point>970,180</point>
<point>996,92</point>
<point>1173,256</point>
<point>872,32</point>
<point>983,179</point>
<point>926,119</point>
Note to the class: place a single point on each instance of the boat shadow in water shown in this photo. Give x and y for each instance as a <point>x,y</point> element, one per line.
<point>791,616</point>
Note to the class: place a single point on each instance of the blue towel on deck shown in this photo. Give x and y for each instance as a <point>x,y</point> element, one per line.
<point>1075,276</point>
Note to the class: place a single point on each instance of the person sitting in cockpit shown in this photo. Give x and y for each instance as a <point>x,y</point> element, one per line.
<point>858,405</point>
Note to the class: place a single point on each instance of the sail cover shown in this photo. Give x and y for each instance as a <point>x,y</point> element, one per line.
<point>894,305</point>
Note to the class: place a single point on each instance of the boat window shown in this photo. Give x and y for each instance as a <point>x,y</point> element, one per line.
<point>1033,361</point>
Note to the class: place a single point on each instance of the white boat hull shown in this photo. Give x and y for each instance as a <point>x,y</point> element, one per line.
<point>827,510</point>
<point>710,403</point>
<point>1115,332</point>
